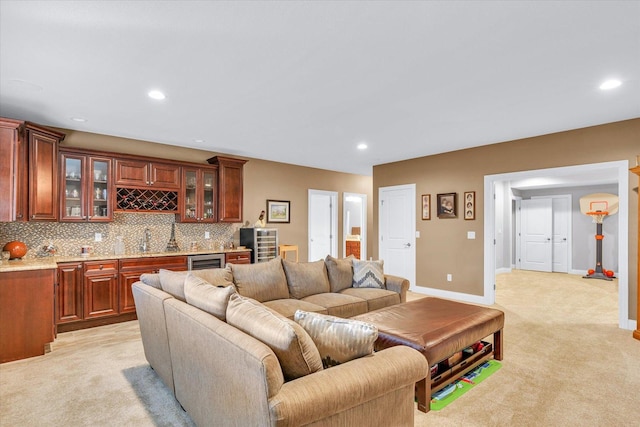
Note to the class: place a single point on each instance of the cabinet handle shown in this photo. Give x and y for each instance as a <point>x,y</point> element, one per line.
<point>33,217</point>
<point>19,216</point>
<point>151,182</point>
<point>115,276</point>
<point>80,267</point>
<point>101,266</point>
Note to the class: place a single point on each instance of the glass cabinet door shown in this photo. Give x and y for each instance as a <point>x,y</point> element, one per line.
<point>208,188</point>
<point>191,195</point>
<point>73,206</point>
<point>99,177</point>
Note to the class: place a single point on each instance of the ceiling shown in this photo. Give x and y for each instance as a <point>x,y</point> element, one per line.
<point>305,82</point>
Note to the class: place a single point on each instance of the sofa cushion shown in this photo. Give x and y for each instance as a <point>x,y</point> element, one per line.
<point>340,272</point>
<point>202,294</point>
<point>340,305</point>
<point>306,278</point>
<point>368,274</point>
<point>263,281</point>
<point>215,276</point>
<point>288,307</point>
<point>338,340</point>
<point>172,282</point>
<point>151,279</point>
<point>376,298</point>
<point>294,348</point>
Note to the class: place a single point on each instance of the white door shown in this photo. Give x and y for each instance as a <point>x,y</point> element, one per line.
<point>536,222</point>
<point>397,229</point>
<point>561,233</point>
<point>323,224</point>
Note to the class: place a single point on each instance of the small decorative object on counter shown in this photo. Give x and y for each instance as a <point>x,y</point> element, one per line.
<point>16,249</point>
<point>118,246</point>
<point>172,245</point>
<point>260,223</point>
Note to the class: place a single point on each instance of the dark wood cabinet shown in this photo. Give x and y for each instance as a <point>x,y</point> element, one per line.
<point>70,293</point>
<point>131,269</point>
<point>100,289</point>
<point>352,247</point>
<point>199,195</point>
<point>13,171</point>
<point>26,313</point>
<point>141,174</point>
<point>230,188</point>
<point>43,172</point>
<point>86,192</point>
<point>237,257</point>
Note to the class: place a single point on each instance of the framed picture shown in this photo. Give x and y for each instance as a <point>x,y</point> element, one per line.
<point>426,206</point>
<point>447,206</point>
<point>279,211</point>
<point>470,205</point>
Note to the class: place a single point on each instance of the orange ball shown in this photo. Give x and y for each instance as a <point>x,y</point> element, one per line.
<point>16,249</point>
<point>590,271</point>
<point>609,273</point>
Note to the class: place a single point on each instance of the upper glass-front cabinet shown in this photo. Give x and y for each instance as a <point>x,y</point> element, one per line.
<point>199,202</point>
<point>86,188</point>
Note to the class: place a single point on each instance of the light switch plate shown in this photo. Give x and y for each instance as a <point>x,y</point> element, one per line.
<point>98,237</point>
<point>471,235</point>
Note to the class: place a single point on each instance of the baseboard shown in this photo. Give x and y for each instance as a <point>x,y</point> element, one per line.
<point>457,296</point>
<point>632,325</point>
<point>503,270</point>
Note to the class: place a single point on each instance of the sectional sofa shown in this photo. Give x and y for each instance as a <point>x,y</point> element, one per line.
<point>222,341</point>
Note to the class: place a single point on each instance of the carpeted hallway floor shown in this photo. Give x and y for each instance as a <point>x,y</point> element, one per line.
<point>566,363</point>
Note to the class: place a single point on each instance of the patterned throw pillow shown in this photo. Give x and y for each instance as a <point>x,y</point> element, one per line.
<point>202,294</point>
<point>368,274</point>
<point>338,340</point>
<point>293,347</point>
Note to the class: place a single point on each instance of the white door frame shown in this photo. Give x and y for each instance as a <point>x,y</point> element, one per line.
<point>622,167</point>
<point>333,195</point>
<point>363,224</point>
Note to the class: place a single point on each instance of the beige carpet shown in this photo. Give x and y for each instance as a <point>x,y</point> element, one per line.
<point>566,363</point>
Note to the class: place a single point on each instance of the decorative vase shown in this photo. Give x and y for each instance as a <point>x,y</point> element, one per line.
<point>16,249</point>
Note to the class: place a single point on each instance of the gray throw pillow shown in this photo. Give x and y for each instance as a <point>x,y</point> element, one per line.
<point>338,340</point>
<point>263,281</point>
<point>340,272</point>
<point>368,274</point>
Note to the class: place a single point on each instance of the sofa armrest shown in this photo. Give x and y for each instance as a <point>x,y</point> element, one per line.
<point>319,395</point>
<point>397,284</point>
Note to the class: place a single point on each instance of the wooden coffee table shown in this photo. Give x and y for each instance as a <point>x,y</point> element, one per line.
<point>438,329</point>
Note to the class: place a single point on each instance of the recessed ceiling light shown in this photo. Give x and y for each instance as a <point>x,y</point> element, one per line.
<point>198,141</point>
<point>610,84</point>
<point>156,94</point>
<point>79,119</point>
<point>362,146</point>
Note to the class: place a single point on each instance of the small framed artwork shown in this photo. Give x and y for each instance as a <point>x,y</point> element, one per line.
<point>279,211</point>
<point>447,206</point>
<point>426,206</point>
<point>470,205</point>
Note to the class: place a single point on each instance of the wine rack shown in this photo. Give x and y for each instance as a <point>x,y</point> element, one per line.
<point>135,199</point>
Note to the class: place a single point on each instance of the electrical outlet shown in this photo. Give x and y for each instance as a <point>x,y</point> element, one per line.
<point>207,235</point>
<point>98,237</point>
<point>449,277</point>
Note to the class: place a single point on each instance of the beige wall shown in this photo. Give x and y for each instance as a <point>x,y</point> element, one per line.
<point>262,180</point>
<point>443,247</point>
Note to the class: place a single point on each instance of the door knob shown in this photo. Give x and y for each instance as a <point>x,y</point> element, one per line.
<point>407,245</point>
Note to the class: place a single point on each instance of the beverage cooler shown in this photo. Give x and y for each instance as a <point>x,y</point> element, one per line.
<point>263,243</point>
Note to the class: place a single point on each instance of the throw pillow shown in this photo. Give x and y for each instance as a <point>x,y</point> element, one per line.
<point>172,282</point>
<point>368,274</point>
<point>306,278</point>
<point>263,281</point>
<point>202,294</point>
<point>215,276</point>
<point>338,340</point>
<point>151,279</point>
<point>340,272</point>
<point>292,346</point>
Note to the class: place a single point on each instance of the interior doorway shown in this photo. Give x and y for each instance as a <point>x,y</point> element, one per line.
<point>323,224</point>
<point>616,172</point>
<point>354,225</point>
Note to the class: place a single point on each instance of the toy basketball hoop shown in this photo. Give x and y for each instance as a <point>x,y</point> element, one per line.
<point>598,206</point>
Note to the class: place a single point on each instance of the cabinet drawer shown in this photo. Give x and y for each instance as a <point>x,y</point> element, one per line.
<point>238,258</point>
<point>155,263</point>
<point>100,266</point>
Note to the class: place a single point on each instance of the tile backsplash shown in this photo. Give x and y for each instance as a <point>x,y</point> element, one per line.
<point>68,238</point>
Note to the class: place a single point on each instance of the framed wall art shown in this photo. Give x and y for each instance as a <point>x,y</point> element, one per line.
<point>470,205</point>
<point>447,206</point>
<point>426,206</point>
<point>279,211</point>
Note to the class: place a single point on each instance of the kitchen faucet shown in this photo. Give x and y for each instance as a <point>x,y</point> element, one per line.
<point>145,242</point>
